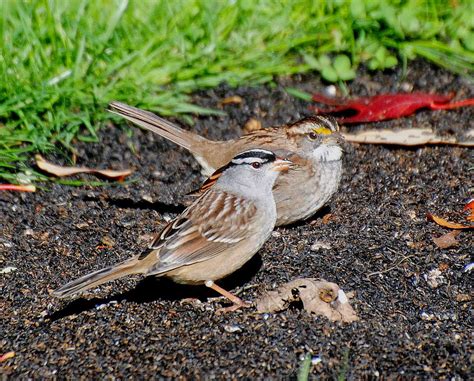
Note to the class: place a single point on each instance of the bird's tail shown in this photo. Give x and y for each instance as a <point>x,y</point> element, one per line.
<point>160,126</point>
<point>99,277</point>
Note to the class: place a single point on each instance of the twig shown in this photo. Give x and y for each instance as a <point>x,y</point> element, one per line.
<point>390,268</point>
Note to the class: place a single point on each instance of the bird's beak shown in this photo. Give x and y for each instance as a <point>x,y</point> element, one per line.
<point>334,138</point>
<point>281,164</point>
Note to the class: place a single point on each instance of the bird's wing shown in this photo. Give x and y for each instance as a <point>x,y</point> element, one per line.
<point>212,224</point>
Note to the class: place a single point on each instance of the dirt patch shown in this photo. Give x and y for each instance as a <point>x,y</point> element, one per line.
<point>377,243</point>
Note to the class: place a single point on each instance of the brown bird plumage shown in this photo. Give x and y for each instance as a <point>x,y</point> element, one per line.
<point>313,144</point>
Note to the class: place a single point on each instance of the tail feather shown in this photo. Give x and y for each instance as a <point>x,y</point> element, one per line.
<point>99,277</point>
<point>158,125</point>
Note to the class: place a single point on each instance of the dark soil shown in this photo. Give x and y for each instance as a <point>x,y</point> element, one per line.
<point>381,247</point>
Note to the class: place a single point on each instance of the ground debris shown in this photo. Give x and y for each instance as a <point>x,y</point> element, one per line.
<point>7,356</point>
<point>447,224</point>
<point>234,99</point>
<point>318,296</point>
<point>8,269</point>
<point>320,245</point>
<point>18,187</point>
<point>61,171</point>
<point>447,240</point>
<point>405,137</point>
<point>434,278</point>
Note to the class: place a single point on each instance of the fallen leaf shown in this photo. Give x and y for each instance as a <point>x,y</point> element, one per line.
<point>447,240</point>
<point>470,208</point>
<point>442,222</point>
<point>405,137</point>
<point>319,297</point>
<point>60,171</point>
<point>252,125</point>
<point>7,356</point>
<point>386,106</point>
<point>19,188</point>
<point>235,99</point>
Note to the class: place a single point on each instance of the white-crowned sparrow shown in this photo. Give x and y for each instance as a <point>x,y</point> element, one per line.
<point>313,142</point>
<point>213,237</point>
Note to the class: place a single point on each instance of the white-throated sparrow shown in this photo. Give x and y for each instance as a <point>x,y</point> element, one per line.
<point>213,237</point>
<point>313,144</point>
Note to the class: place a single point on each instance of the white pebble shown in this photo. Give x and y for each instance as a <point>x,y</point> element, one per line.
<point>341,297</point>
<point>7,270</point>
<point>232,328</point>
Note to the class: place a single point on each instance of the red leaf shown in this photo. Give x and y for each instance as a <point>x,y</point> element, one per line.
<point>19,188</point>
<point>385,106</point>
<point>470,208</point>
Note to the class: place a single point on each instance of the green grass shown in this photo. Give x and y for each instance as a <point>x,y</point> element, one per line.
<point>61,62</point>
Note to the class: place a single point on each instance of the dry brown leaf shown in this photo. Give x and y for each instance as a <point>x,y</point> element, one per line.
<point>447,240</point>
<point>407,137</point>
<point>319,297</point>
<point>235,99</point>
<point>252,125</point>
<point>452,225</point>
<point>60,171</point>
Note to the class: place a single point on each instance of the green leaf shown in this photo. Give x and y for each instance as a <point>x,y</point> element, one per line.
<point>305,368</point>
<point>329,74</point>
<point>312,61</point>
<point>298,93</point>
<point>342,66</point>
<point>391,61</point>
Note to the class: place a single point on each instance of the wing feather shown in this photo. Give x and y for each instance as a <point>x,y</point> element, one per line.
<point>213,223</point>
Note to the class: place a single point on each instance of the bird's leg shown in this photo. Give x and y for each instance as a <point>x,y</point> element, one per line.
<point>238,303</point>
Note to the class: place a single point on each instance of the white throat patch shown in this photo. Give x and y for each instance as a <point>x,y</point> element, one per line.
<point>328,153</point>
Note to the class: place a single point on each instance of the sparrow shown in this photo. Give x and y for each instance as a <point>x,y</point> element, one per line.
<point>313,144</point>
<point>215,236</point>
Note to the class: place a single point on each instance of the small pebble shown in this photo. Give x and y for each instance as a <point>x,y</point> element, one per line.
<point>147,198</point>
<point>434,278</point>
<point>316,360</point>
<point>330,91</point>
<point>320,245</point>
<point>7,270</point>
<point>341,297</point>
<point>407,87</point>
<point>232,328</point>
<point>428,317</point>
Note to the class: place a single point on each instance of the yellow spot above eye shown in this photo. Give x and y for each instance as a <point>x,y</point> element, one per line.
<point>322,131</point>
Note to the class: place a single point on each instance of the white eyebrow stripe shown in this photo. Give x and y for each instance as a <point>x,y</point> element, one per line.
<point>249,160</point>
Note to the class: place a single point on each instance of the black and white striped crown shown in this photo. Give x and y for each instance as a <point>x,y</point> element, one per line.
<point>253,156</point>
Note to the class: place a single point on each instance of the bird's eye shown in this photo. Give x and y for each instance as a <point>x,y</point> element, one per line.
<point>313,135</point>
<point>256,165</point>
